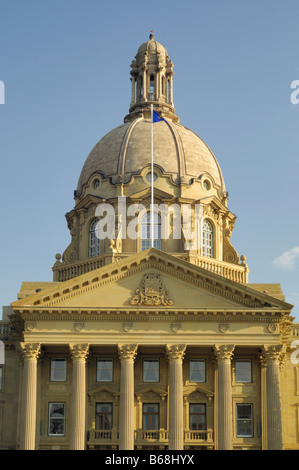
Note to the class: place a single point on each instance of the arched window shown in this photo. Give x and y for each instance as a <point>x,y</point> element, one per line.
<point>93,239</point>
<point>207,239</point>
<point>152,88</point>
<point>145,231</point>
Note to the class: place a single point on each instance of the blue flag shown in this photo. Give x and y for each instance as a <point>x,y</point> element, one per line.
<point>156,117</point>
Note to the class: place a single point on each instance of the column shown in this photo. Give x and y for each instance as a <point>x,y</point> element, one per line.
<point>272,356</point>
<point>29,395</point>
<point>127,354</point>
<point>225,416</point>
<point>175,355</point>
<point>133,97</point>
<point>79,354</point>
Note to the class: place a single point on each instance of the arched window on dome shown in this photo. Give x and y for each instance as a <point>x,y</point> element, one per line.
<point>145,231</point>
<point>152,88</point>
<point>207,239</point>
<point>93,239</point>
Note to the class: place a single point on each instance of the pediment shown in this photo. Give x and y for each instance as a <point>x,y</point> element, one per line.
<point>149,280</point>
<point>158,194</point>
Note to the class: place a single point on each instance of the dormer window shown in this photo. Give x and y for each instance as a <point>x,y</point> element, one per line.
<point>207,239</point>
<point>152,88</point>
<point>93,239</point>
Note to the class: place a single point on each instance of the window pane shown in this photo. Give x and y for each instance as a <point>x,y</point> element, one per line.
<point>103,416</point>
<point>58,370</point>
<point>244,420</point>
<point>197,371</point>
<point>151,370</point>
<point>243,371</point>
<point>105,370</point>
<point>197,416</point>
<point>150,416</point>
<point>56,419</point>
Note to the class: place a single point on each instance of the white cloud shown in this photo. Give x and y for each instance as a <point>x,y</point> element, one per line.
<point>288,259</point>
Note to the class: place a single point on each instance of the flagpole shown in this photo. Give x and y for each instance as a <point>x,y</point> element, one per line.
<point>152,176</point>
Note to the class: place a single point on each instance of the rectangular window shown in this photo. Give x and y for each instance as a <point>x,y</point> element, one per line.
<point>103,416</point>
<point>197,370</point>
<point>151,372</point>
<point>56,425</point>
<point>58,370</point>
<point>197,416</point>
<point>243,371</point>
<point>150,412</point>
<point>1,375</point>
<point>244,420</point>
<point>105,370</point>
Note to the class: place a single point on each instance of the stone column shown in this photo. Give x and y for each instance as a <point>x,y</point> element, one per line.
<point>175,355</point>
<point>272,356</point>
<point>225,416</point>
<point>127,354</point>
<point>133,97</point>
<point>29,395</point>
<point>79,354</point>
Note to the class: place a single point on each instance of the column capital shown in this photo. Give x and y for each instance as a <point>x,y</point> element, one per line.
<point>127,352</point>
<point>224,351</point>
<point>31,350</point>
<point>175,351</point>
<point>79,351</point>
<point>272,352</point>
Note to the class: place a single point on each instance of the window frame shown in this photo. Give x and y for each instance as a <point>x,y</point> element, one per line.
<point>105,359</point>
<point>198,414</point>
<point>145,242</point>
<point>63,419</point>
<point>98,414</point>
<point>52,379</point>
<point>152,359</point>
<point>205,246</point>
<point>246,419</point>
<point>189,370</point>
<point>237,361</point>
<point>157,414</point>
<point>94,243</point>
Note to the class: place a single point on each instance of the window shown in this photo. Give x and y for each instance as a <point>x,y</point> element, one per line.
<point>1,375</point>
<point>56,419</point>
<point>151,371</point>
<point>207,239</point>
<point>244,420</point>
<point>197,417</point>
<point>150,412</point>
<point>94,239</point>
<point>58,370</point>
<point>103,416</point>
<point>146,231</point>
<point>243,371</point>
<point>105,370</point>
<point>152,88</point>
<point>197,370</point>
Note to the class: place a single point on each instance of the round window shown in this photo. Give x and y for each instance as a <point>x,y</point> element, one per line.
<point>206,185</point>
<point>149,176</point>
<point>96,183</point>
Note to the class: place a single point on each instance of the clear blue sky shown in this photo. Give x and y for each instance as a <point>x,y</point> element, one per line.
<point>65,66</point>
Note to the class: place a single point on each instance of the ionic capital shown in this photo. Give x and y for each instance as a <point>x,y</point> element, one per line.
<point>127,352</point>
<point>79,351</point>
<point>175,352</point>
<point>30,351</point>
<point>224,351</point>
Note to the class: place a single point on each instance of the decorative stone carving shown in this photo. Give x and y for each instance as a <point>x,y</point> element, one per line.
<point>272,352</point>
<point>224,351</point>
<point>31,326</point>
<point>127,351</point>
<point>272,328</point>
<point>79,351</point>
<point>175,351</point>
<point>128,326</point>
<point>175,327</point>
<point>223,327</point>
<point>79,326</point>
<point>151,292</point>
<point>31,350</point>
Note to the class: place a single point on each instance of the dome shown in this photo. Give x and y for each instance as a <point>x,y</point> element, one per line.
<point>126,150</point>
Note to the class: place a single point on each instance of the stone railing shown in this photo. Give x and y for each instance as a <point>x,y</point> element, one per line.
<point>158,436</point>
<point>95,436</point>
<point>198,436</point>
<point>65,271</point>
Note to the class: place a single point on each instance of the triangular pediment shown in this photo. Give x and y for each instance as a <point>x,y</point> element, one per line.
<point>149,280</point>
<point>158,194</point>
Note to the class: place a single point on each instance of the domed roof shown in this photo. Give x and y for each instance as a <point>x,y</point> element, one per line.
<point>126,150</point>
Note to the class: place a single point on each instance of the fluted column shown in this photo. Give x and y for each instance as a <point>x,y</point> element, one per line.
<point>225,417</point>
<point>175,355</point>
<point>127,354</point>
<point>79,354</point>
<point>272,356</point>
<point>29,395</point>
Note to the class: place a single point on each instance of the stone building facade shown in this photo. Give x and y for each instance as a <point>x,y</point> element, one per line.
<point>150,335</point>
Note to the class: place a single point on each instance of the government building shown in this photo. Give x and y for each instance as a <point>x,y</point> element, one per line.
<point>150,335</point>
